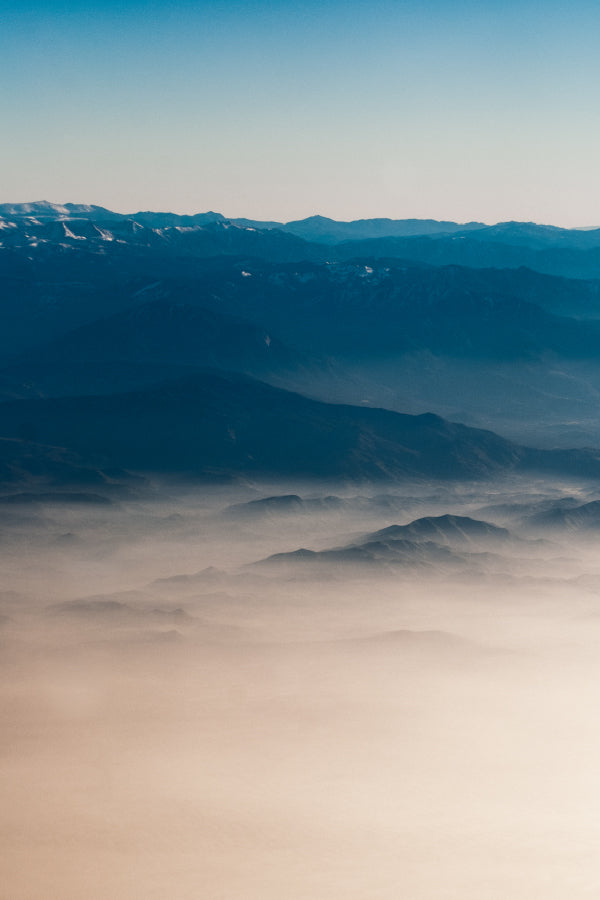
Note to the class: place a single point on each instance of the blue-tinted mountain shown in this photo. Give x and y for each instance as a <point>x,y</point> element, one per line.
<point>559,251</point>
<point>320,229</point>
<point>32,471</point>
<point>534,236</point>
<point>477,252</point>
<point>87,297</point>
<point>164,331</point>
<point>31,379</point>
<point>357,310</point>
<point>213,424</point>
<point>143,345</point>
<point>352,308</point>
<point>146,345</point>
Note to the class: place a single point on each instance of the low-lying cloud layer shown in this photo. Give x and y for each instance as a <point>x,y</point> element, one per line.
<point>181,722</point>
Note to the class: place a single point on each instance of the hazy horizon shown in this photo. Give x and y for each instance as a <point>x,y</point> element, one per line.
<point>287,219</point>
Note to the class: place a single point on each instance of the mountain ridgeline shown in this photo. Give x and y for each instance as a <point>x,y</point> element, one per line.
<point>225,348</point>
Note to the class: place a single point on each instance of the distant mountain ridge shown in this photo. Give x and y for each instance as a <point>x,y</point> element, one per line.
<point>313,228</point>
<point>444,529</point>
<point>443,543</point>
<point>318,228</point>
<point>573,252</point>
<point>217,424</point>
<point>331,231</point>
<point>96,303</point>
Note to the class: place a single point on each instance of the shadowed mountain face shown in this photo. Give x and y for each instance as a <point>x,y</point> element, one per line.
<point>359,312</point>
<point>98,305</point>
<point>165,331</point>
<point>146,344</point>
<point>25,462</point>
<point>354,311</point>
<point>228,424</point>
<point>497,349</point>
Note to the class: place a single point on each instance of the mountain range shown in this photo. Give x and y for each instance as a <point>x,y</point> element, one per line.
<point>223,348</point>
<point>444,544</point>
<point>315,228</point>
<point>218,424</point>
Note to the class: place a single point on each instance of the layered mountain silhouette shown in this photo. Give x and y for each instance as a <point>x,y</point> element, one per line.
<point>446,529</point>
<point>357,311</point>
<point>145,344</point>
<point>560,251</point>
<point>164,331</point>
<point>214,423</point>
<point>262,318</point>
<point>110,325</point>
<point>442,543</point>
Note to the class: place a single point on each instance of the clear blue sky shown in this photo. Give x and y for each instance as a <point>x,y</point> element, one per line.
<point>414,108</point>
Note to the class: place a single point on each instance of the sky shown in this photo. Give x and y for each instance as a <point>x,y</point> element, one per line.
<point>445,109</point>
